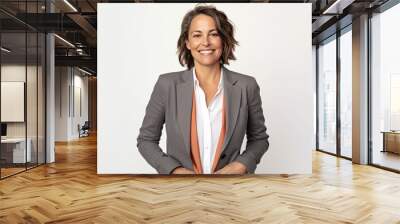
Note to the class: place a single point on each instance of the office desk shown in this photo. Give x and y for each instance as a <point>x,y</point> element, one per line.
<point>391,141</point>
<point>13,150</point>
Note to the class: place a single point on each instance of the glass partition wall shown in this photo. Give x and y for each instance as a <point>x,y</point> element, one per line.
<point>22,88</point>
<point>13,110</point>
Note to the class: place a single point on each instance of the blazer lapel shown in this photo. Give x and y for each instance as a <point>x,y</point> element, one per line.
<point>184,106</point>
<point>233,96</point>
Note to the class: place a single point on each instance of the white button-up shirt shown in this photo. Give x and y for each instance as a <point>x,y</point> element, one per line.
<point>209,122</point>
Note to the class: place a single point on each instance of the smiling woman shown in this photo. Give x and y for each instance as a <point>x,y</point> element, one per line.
<point>207,109</point>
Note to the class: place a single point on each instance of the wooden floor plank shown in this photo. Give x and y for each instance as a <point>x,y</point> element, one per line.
<point>70,191</point>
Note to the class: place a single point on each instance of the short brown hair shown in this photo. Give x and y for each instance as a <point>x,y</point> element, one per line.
<point>224,28</point>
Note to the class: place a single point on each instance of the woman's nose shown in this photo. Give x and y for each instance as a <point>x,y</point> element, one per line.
<point>205,41</point>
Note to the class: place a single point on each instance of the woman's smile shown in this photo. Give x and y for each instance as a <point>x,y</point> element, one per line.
<point>206,51</point>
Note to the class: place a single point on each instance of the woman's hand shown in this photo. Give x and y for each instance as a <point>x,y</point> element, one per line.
<point>233,168</point>
<point>182,170</point>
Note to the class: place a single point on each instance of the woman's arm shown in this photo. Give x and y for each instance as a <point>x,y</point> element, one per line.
<point>150,132</point>
<point>257,138</point>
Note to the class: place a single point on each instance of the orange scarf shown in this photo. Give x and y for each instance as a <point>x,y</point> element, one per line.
<point>194,144</point>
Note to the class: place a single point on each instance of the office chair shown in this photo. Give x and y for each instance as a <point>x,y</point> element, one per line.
<point>84,130</point>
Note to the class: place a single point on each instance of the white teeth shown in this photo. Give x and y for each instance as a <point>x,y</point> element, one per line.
<point>206,51</point>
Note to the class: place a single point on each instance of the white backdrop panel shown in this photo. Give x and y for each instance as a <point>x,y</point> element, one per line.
<point>137,43</point>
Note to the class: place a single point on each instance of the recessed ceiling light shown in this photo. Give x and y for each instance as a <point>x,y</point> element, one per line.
<point>70,5</point>
<point>84,71</point>
<point>5,50</point>
<point>337,7</point>
<point>64,40</point>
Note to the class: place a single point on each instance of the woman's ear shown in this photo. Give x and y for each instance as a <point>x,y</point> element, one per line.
<point>187,44</point>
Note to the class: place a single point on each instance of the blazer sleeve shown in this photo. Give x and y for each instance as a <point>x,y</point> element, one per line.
<point>257,138</point>
<point>151,129</point>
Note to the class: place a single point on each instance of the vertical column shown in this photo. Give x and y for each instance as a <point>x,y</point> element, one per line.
<point>92,99</point>
<point>360,90</point>
<point>50,92</point>
<point>338,97</point>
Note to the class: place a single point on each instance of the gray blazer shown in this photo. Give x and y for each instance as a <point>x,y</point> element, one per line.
<point>171,103</point>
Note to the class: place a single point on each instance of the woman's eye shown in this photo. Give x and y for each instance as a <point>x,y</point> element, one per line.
<point>215,34</point>
<point>196,36</point>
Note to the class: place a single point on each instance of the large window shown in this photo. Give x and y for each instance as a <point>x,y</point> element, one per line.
<point>335,74</point>
<point>327,96</point>
<point>385,88</point>
<point>346,93</point>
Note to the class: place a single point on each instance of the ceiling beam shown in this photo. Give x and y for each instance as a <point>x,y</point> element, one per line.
<point>337,6</point>
<point>85,61</point>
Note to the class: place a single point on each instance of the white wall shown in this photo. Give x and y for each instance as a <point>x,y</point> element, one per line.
<point>137,42</point>
<point>67,117</point>
<point>61,103</point>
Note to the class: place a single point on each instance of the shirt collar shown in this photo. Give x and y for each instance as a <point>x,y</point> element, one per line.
<point>196,81</point>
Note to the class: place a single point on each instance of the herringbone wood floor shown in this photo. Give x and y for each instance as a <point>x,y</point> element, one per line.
<point>70,191</point>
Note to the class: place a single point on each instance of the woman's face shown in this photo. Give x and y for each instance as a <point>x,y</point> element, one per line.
<point>204,41</point>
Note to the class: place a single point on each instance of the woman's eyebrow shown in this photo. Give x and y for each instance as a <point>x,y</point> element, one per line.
<point>199,31</point>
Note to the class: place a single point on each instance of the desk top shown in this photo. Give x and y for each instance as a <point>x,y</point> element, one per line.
<point>390,132</point>
<point>13,140</point>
